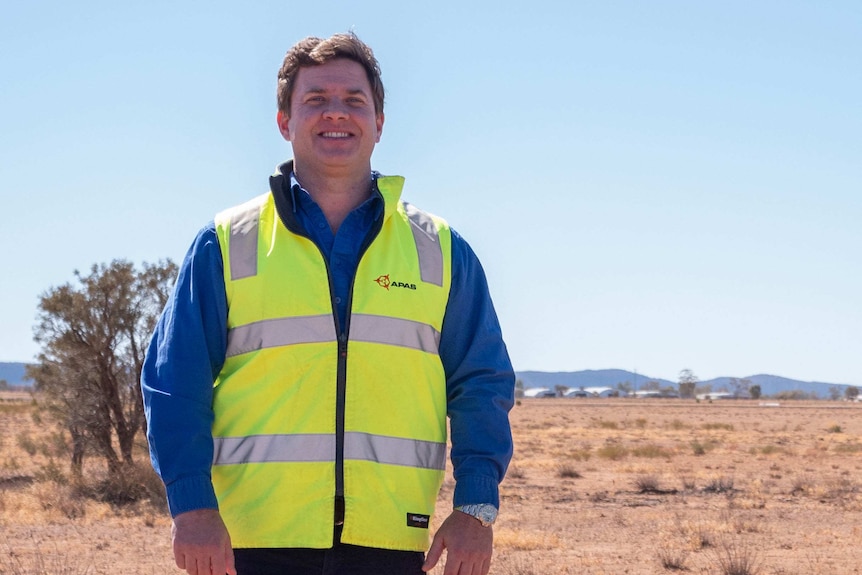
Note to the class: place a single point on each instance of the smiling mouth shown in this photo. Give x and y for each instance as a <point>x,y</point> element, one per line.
<point>335,134</point>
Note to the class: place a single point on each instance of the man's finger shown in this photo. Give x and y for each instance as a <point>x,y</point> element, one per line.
<point>434,554</point>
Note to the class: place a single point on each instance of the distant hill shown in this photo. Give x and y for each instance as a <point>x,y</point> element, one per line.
<point>769,384</point>
<point>587,378</point>
<point>14,373</point>
<point>772,384</point>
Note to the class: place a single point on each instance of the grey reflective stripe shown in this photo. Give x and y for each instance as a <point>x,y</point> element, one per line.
<point>243,243</point>
<point>394,450</point>
<point>274,448</point>
<point>321,329</point>
<point>278,332</point>
<point>320,447</point>
<point>394,331</point>
<point>427,244</point>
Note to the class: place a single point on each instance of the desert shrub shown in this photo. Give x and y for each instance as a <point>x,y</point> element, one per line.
<point>640,422</point>
<point>651,450</point>
<point>567,471</point>
<point>136,482</point>
<point>714,426</point>
<point>848,448</point>
<point>719,485</point>
<point>515,473</point>
<point>646,483</point>
<point>27,443</point>
<point>688,483</point>
<point>677,425</point>
<point>699,447</point>
<point>672,558</point>
<point>834,429</point>
<point>802,484</point>
<point>51,472</point>
<point>61,499</point>
<point>581,454</point>
<point>602,424</point>
<point>736,559</point>
<point>767,450</point>
<point>612,452</point>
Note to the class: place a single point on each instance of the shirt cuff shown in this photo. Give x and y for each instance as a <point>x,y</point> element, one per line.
<point>475,489</point>
<point>190,494</point>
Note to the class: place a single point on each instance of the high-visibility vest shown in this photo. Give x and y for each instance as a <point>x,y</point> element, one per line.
<point>306,410</point>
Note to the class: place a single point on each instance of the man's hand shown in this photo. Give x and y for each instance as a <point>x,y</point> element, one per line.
<point>469,546</point>
<point>202,544</point>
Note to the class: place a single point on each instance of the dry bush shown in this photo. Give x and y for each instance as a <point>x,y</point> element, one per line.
<point>567,471</point>
<point>718,426</point>
<point>736,559</point>
<point>718,485</point>
<point>848,448</point>
<point>613,452</point>
<point>672,558</point>
<point>651,450</point>
<point>646,483</point>
<point>515,473</point>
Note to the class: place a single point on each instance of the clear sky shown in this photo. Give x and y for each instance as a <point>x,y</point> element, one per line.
<point>650,186</point>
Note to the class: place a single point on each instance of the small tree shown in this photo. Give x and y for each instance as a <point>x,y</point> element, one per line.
<point>560,390</point>
<point>687,383</point>
<point>851,392</point>
<point>625,387</point>
<point>93,336</point>
<point>755,391</point>
<point>519,388</point>
<point>740,387</point>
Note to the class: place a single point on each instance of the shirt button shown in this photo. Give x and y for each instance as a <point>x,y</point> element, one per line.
<point>321,225</point>
<point>337,300</point>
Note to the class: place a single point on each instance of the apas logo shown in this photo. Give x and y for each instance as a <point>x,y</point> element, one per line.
<point>386,283</point>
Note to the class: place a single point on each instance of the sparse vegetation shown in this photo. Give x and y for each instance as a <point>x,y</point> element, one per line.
<point>568,472</point>
<point>736,559</point>
<point>637,487</point>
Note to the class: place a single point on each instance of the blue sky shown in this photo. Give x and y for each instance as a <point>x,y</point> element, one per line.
<point>650,186</point>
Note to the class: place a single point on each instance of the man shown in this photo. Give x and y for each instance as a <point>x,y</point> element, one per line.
<point>298,382</point>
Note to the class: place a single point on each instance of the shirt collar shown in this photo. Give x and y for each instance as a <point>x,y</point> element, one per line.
<point>297,192</point>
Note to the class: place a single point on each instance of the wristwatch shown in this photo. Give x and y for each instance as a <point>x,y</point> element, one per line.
<point>484,512</point>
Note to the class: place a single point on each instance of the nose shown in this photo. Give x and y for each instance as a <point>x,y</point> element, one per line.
<point>335,109</point>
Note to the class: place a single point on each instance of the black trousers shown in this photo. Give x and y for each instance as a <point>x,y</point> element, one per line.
<point>341,559</point>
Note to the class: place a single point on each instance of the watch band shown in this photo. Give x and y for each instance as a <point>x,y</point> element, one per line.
<point>485,513</point>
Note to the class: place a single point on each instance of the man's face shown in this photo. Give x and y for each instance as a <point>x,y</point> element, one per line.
<point>332,125</point>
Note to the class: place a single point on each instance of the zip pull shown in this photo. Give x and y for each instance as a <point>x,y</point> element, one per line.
<point>342,345</point>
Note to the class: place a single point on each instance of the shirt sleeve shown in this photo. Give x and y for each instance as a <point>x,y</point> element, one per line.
<point>186,353</point>
<point>480,382</point>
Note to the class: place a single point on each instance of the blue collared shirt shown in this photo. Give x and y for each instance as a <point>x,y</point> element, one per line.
<point>187,352</point>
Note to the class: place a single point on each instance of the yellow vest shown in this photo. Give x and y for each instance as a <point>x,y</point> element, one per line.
<point>302,415</point>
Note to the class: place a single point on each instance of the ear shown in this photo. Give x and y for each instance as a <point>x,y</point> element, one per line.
<point>380,119</point>
<point>282,120</point>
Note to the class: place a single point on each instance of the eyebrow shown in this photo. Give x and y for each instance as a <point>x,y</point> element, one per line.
<point>351,91</point>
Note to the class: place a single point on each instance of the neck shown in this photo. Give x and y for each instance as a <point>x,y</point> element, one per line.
<point>337,196</point>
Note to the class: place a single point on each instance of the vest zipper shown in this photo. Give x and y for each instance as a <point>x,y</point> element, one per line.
<point>343,338</point>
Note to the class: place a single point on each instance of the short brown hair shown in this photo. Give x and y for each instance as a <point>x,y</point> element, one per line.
<point>316,51</point>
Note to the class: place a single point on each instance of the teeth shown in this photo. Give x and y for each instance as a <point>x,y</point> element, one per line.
<point>336,135</point>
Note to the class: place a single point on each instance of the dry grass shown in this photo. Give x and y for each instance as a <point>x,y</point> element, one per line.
<point>596,487</point>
